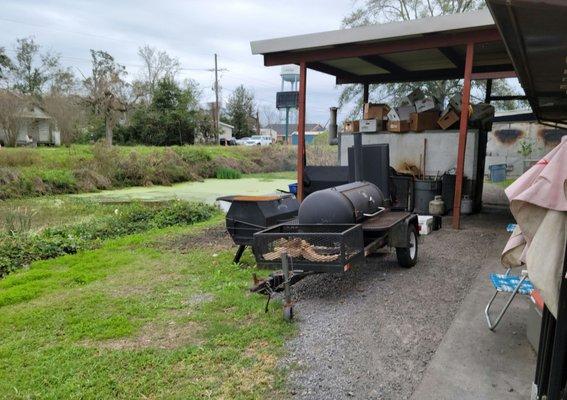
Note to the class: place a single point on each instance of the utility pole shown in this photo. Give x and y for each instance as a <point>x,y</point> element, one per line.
<point>217,113</point>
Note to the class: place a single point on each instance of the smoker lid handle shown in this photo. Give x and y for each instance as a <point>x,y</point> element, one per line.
<point>380,209</point>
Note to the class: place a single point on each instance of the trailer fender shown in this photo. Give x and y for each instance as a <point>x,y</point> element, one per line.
<point>398,235</point>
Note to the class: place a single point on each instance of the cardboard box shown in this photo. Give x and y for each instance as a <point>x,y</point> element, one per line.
<point>400,113</point>
<point>351,126</point>
<point>375,111</point>
<point>429,103</point>
<point>448,118</point>
<point>414,96</point>
<point>424,121</point>
<point>398,126</point>
<point>455,102</point>
<point>370,125</point>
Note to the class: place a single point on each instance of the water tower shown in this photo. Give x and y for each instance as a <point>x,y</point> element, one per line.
<point>287,98</point>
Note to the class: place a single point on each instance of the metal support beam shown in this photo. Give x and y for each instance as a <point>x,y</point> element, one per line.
<point>488,93</point>
<point>365,92</point>
<point>398,46</point>
<point>463,131</point>
<point>301,129</point>
<point>329,69</point>
<point>426,75</point>
<point>478,76</point>
<point>506,98</point>
<point>383,63</point>
<point>453,56</point>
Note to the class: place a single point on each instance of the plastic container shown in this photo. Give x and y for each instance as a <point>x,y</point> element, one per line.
<point>497,172</point>
<point>293,188</point>
<point>437,206</point>
<point>466,205</point>
<point>424,192</point>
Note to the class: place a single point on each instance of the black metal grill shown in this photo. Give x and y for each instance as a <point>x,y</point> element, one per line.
<point>320,247</point>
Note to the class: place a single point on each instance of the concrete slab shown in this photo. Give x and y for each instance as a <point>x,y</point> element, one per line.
<point>473,363</point>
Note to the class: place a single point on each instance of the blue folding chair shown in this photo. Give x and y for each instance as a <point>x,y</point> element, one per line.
<point>506,283</point>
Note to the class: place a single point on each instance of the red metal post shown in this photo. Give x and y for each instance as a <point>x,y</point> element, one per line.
<point>463,130</point>
<point>301,129</point>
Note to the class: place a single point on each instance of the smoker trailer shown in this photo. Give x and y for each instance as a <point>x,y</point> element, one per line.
<point>336,229</point>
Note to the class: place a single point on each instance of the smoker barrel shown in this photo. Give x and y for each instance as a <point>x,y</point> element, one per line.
<point>250,214</point>
<point>345,204</point>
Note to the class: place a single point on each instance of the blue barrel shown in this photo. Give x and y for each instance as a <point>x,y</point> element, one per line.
<point>293,188</point>
<point>497,172</point>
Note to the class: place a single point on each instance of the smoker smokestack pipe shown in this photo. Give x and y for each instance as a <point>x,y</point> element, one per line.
<point>358,174</point>
<point>333,127</point>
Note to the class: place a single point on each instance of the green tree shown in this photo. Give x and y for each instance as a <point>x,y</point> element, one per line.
<point>241,111</point>
<point>106,90</point>
<point>170,119</point>
<point>380,11</point>
<point>5,63</point>
<point>32,72</point>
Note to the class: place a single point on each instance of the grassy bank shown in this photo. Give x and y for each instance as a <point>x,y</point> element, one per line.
<point>87,168</point>
<point>20,245</point>
<point>165,314</point>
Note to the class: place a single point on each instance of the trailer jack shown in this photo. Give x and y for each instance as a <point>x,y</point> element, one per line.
<point>277,282</point>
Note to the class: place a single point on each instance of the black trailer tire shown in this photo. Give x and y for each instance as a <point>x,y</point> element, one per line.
<point>407,256</point>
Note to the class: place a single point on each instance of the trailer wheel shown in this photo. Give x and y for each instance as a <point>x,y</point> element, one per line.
<point>407,256</point>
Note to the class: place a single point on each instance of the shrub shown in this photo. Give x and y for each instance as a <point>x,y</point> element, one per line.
<point>227,173</point>
<point>18,249</point>
<point>59,180</point>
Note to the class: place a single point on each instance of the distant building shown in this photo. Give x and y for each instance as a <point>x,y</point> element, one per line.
<point>36,127</point>
<point>269,132</point>
<point>309,137</point>
<point>280,129</point>
<point>225,130</point>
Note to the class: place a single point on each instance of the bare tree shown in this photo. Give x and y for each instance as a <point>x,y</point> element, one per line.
<point>11,107</point>
<point>157,65</point>
<point>268,115</point>
<point>68,112</point>
<point>107,90</point>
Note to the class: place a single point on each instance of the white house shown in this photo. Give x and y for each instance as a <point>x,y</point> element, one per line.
<point>225,130</point>
<point>36,127</point>
<point>269,132</point>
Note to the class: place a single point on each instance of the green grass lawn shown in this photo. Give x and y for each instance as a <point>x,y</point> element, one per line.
<point>139,318</point>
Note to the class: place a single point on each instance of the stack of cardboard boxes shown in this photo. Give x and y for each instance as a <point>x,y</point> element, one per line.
<point>415,113</point>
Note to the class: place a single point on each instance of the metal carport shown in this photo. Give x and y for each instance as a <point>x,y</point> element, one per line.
<point>461,46</point>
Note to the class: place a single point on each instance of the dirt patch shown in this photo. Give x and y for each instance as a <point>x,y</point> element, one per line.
<point>214,238</point>
<point>155,336</point>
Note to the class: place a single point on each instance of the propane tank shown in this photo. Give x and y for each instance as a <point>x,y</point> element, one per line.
<point>437,206</point>
<point>466,205</point>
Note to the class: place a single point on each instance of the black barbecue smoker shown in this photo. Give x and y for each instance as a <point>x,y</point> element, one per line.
<point>335,230</point>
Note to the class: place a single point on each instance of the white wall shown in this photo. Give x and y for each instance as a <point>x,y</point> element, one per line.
<point>441,149</point>
<point>502,147</point>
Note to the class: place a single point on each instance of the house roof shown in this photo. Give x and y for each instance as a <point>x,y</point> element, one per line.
<point>225,124</point>
<point>417,50</point>
<point>535,34</point>
<point>280,128</point>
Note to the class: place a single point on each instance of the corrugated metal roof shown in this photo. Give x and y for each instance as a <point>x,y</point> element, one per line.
<point>535,34</point>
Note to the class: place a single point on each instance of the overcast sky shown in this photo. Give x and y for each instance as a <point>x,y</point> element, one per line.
<point>191,30</point>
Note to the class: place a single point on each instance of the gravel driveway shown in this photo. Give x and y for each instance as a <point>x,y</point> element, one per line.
<point>370,334</point>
